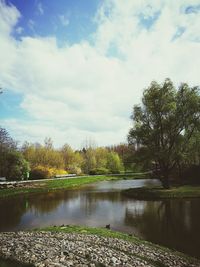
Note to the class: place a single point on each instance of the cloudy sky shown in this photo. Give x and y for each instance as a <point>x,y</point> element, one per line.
<point>73,69</point>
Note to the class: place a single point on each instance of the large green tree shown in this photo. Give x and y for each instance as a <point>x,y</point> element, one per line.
<point>164,123</point>
<point>13,166</point>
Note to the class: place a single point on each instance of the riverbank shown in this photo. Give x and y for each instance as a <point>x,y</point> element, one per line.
<point>150,193</point>
<point>92,247</point>
<point>59,184</point>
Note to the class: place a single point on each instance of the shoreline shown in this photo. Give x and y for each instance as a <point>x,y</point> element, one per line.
<point>59,184</point>
<point>86,246</point>
<point>159,193</point>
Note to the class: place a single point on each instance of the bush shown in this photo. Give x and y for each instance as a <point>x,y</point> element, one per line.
<point>99,171</point>
<point>43,172</point>
<point>75,170</point>
<point>14,166</point>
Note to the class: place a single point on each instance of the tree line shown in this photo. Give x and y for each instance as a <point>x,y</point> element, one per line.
<point>37,161</point>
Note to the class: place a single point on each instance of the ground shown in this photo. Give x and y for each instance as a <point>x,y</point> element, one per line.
<point>78,246</point>
<point>185,191</point>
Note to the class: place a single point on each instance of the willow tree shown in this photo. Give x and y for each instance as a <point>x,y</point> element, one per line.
<point>165,122</point>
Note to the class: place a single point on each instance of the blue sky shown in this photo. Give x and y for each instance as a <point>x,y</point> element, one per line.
<point>73,69</point>
<point>68,20</point>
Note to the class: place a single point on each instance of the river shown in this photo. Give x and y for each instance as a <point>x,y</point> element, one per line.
<point>172,223</point>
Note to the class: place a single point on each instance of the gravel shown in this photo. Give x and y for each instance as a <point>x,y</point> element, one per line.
<point>66,249</point>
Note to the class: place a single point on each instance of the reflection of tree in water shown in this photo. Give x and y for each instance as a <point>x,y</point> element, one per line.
<point>11,211</point>
<point>173,223</point>
<point>47,202</point>
<point>91,200</point>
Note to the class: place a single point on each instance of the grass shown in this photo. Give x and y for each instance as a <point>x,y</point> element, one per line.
<point>103,232</point>
<point>46,186</point>
<point>161,193</point>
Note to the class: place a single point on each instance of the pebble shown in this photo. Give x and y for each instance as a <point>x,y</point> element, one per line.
<point>48,249</point>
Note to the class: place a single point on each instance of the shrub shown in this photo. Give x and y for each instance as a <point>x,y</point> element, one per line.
<point>99,171</point>
<point>43,172</point>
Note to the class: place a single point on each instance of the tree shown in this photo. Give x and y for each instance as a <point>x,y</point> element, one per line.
<point>72,160</point>
<point>12,163</point>
<point>44,155</point>
<point>165,122</point>
<point>89,162</point>
<point>126,153</point>
<point>15,166</point>
<point>114,164</point>
<point>6,142</point>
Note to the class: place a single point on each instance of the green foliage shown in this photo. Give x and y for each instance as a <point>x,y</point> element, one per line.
<point>89,161</point>
<point>43,155</point>
<point>13,166</point>
<point>44,172</point>
<point>99,171</point>
<point>164,124</point>
<point>72,160</point>
<point>16,166</point>
<point>127,155</point>
<point>101,161</point>
<point>114,163</point>
<point>39,172</point>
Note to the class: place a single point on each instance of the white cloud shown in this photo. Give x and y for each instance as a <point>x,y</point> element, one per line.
<point>31,24</point>
<point>40,8</point>
<point>64,20</point>
<point>19,30</point>
<point>9,16</point>
<point>85,90</point>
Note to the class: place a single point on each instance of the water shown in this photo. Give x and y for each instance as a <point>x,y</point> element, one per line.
<point>173,223</point>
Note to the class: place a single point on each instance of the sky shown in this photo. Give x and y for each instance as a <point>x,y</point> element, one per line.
<point>73,70</point>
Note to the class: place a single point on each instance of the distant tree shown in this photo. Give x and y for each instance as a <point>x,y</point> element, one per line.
<point>101,155</point>
<point>44,155</point>
<point>165,122</point>
<point>48,143</point>
<point>72,160</point>
<point>6,142</point>
<point>126,153</point>
<point>12,163</point>
<point>67,154</point>
<point>114,163</point>
<point>15,166</point>
<point>89,143</point>
<point>89,162</point>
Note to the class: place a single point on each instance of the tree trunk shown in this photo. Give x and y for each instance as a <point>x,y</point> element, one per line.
<point>165,180</point>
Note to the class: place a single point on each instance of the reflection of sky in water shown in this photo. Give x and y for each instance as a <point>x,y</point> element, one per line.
<point>77,211</point>
<point>120,185</point>
<point>136,208</point>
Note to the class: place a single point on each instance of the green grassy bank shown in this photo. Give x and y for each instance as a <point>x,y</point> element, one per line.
<point>161,193</point>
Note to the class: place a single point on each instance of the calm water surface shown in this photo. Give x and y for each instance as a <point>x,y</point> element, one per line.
<point>173,223</point>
